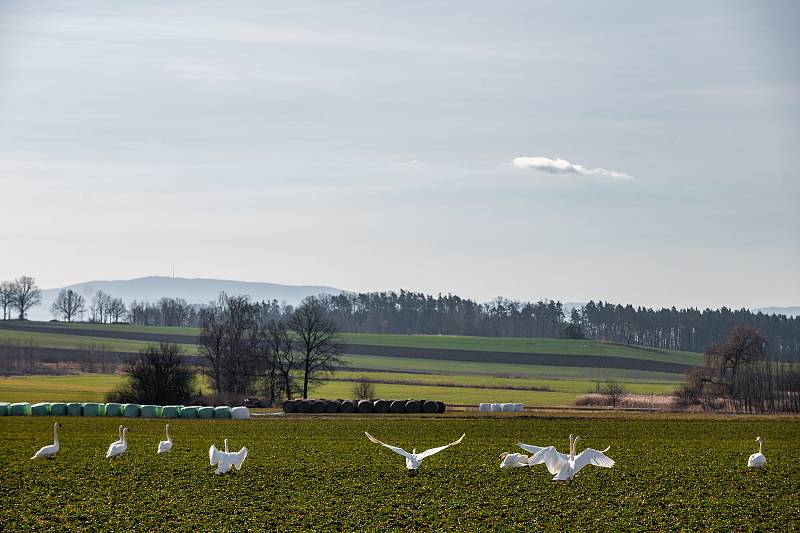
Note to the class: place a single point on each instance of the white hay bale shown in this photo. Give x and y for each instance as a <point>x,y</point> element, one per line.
<point>485,408</point>
<point>496,408</point>
<point>240,413</point>
<point>507,407</point>
<point>519,408</point>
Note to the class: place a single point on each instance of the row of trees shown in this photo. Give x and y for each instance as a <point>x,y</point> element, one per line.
<point>279,357</point>
<point>17,297</point>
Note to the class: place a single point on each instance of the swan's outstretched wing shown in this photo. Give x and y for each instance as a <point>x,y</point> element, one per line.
<point>514,460</point>
<point>530,447</point>
<point>213,455</point>
<point>237,458</point>
<point>552,459</point>
<point>395,449</point>
<point>428,453</point>
<point>590,456</point>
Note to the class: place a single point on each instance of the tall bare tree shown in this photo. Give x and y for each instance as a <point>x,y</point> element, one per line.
<point>116,310</point>
<point>6,298</point>
<point>26,295</point>
<point>68,304</point>
<point>316,340</point>
<point>282,361</point>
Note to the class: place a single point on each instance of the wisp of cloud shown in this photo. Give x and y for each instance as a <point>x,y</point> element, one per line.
<point>562,166</point>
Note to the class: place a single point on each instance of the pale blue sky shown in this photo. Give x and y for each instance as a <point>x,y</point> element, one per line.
<point>370,146</point>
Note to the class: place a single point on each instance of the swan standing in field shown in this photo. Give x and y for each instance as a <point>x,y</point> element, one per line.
<point>413,459</point>
<point>565,467</point>
<point>165,445</point>
<point>225,460</point>
<point>119,447</point>
<point>757,460</point>
<point>513,460</point>
<point>52,449</point>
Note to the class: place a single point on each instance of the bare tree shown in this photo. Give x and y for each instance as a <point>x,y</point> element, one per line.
<point>317,341</point>
<point>282,361</point>
<point>68,304</point>
<point>6,298</point>
<point>159,374</point>
<point>116,310</point>
<point>26,295</point>
<point>613,391</point>
<point>363,390</point>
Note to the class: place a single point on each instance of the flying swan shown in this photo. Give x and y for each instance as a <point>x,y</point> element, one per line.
<point>757,460</point>
<point>119,447</point>
<point>564,467</point>
<point>413,459</point>
<point>165,445</point>
<point>52,449</point>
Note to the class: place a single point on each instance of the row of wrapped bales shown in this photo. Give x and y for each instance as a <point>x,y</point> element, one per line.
<point>364,406</point>
<point>501,408</point>
<point>129,410</point>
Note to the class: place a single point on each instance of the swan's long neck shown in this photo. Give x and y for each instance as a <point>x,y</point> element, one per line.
<point>574,448</point>
<point>760,446</point>
<point>55,433</point>
<point>571,448</point>
<point>125,436</point>
<point>226,445</point>
<point>120,433</point>
<point>169,438</point>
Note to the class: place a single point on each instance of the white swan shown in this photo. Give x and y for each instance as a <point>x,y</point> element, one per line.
<point>165,445</point>
<point>225,460</point>
<point>513,460</point>
<point>757,460</point>
<point>52,449</point>
<point>565,467</point>
<point>119,447</point>
<point>413,459</point>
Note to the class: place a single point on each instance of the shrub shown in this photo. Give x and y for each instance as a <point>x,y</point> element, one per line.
<point>157,375</point>
<point>363,390</point>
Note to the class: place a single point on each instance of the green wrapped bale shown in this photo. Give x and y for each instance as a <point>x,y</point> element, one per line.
<point>58,409</point>
<point>19,409</point>
<point>189,412</point>
<point>3,408</point>
<point>131,410</point>
<point>205,412</point>
<point>222,411</point>
<point>150,411</point>
<point>74,409</point>
<point>40,409</point>
<point>92,409</point>
<point>113,409</point>
<point>171,411</point>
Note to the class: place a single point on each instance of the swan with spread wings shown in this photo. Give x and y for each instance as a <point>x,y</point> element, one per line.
<point>413,459</point>
<point>564,467</point>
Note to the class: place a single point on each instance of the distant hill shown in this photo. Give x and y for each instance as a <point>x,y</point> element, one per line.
<point>193,290</point>
<point>788,311</point>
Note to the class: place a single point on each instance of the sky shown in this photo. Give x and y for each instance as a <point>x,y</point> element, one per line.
<point>635,152</point>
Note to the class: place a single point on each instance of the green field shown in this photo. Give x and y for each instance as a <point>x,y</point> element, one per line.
<point>58,340</point>
<point>322,474</point>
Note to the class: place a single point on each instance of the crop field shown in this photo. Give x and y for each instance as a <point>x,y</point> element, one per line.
<point>323,474</point>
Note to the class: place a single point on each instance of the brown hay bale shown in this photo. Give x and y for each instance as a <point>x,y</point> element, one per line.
<point>440,407</point>
<point>413,406</point>
<point>318,406</point>
<point>347,406</point>
<point>364,406</point>
<point>429,407</point>
<point>290,406</point>
<point>304,406</point>
<point>380,406</point>
<point>332,406</point>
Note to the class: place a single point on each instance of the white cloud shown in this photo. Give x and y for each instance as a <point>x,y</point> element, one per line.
<point>562,166</point>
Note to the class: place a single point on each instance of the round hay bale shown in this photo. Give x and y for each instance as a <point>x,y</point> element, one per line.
<point>189,411</point>
<point>397,407</point>
<point>40,409</point>
<point>429,407</point>
<point>290,406</point>
<point>112,409</point>
<point>222,411</point>
<point>347,406</point>
<point>205,412</point>
<point>318,406</point>
<point>150,411</point>
<point>240,413</point>
<point>74,409</point>
<point>440,407</point>
<point>19,409</point>
<point>304,406</point>
<point>332,406</point>
<point>380,406</point>
<point>3,408</point>
<point>171,411</point>
<point>413,406</point>
<point>58,409</point>
<point>91,409</point>
<point>129,410</point>
<point>364,406</point>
